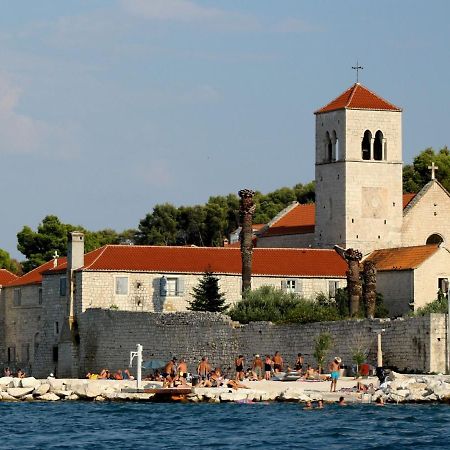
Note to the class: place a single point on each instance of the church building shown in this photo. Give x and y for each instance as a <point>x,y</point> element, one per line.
<point>360,203</point>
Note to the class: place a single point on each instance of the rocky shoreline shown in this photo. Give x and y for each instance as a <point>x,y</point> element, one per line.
<point>398,388</point>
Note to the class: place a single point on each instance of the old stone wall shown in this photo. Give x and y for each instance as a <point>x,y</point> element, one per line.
<point>287,241</point>
<point>107,337</point>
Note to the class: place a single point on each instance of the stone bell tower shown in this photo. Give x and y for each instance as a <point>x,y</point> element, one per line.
<point>359,172</point>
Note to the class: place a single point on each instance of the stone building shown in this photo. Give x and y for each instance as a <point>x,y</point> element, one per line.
<point>41,309</point>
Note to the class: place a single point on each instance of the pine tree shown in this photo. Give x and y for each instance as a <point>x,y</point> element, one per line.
<point>207,296</point>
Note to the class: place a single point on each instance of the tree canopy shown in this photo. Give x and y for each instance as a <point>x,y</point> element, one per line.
<point>207,295</point>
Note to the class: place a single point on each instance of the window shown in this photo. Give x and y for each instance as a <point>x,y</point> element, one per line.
<point>443,286</point>
<point>56,329</point>
<point>11,354</point>
<point>435,239</point>
<point>40,296</point>
<point>121,285</point>
<point>366,144</point>
<point>171,287</point>
<point>62,286</point>
<point>378,146</point>
<point>292,285</point>
<point>55,353</point>
<point>333,286</point>
<point>328,148</point>
<point>17,297</point>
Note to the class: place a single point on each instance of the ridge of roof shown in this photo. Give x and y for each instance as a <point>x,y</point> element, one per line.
<point>358,96</point>
<point>35,276</point>
<point>6,277</point>
<point>279,216</point>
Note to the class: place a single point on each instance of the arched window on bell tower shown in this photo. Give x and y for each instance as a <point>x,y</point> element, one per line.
<point>365,145</point>
<point>328,148</point>
<point>378,146</point>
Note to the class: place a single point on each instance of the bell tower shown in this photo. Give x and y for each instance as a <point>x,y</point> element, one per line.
<point>359,172</point>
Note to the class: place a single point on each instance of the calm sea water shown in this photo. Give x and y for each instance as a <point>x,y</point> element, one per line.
<point>185,426</point>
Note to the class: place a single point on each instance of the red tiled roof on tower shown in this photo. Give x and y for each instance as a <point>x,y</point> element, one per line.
<point>358,97</point>
<point>6,277</point>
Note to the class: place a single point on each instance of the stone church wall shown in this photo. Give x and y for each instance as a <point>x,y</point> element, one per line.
<point>107,337</point>
<point>287,241</point>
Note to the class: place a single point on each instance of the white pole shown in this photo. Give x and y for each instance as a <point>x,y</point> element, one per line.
<point>139,366</point>
<point>379,352</point>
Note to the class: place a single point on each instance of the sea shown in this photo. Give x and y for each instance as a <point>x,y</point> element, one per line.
<point>93,425</point>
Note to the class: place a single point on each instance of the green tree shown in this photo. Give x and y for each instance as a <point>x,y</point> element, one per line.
<point>207,296</point>
<point>416,175</point>
<point>158,227</point>
<point>6,262</point>
<point>322,345</point>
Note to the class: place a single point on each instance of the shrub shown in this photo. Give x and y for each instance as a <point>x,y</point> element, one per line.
<point>436,306</point>
<point>322,345</point>
<point>207,295</point>
<point>270,304</point>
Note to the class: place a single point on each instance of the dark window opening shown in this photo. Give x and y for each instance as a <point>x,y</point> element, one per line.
<point>55,353</point>
<point>378,146</point>
<point>434,239</point>
<point>365,145</point>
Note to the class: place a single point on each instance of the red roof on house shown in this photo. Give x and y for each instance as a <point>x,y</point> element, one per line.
<point>301,219</point>
<point>35,275</point>
<point>221,260</point>
<point>358,97</point>
<point>298,220</point>
<point>6,277</point>
<point>403,258</point>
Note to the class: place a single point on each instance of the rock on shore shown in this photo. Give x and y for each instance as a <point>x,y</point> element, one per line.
<point>398,388</point>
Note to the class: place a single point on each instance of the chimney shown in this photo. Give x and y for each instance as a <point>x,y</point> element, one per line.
<point>75,251</point>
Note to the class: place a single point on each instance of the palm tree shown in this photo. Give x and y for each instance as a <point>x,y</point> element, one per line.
<point>246,211</point>
<point>370,286</point>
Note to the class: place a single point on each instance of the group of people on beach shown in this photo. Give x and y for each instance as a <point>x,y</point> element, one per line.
<point>19,373</point>
<point>175,373</point>
<point>105,374</point>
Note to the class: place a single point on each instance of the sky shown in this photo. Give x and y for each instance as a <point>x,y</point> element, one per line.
<point>108,107</point>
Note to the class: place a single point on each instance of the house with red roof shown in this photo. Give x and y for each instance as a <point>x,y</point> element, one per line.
<point>40,304</point>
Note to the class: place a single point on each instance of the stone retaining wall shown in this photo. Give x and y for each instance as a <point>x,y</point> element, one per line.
<point>107,337</point>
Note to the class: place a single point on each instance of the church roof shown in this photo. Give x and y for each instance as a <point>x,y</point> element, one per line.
<point>6,277</point>
<point>35,275</point>
<point>403,258</point>
<point>300,219</point>
<point>358,97</point>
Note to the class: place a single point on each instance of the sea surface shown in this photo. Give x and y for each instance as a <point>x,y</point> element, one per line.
<point>76,425</point>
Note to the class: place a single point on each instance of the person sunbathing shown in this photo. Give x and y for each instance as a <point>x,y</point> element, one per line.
<point>216,378</point>
<point>236,385</point>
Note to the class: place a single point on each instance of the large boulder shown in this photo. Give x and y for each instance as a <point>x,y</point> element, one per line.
<point>294,394</point>
<point>19,391</point>
<point>6,382</point>
<point>9,398</point>
<point>49,397</point>
<point>234,396</point>
<point>63,394</point>
<point>42,389</point>
<point>441,390</point>
<point>29,382</point>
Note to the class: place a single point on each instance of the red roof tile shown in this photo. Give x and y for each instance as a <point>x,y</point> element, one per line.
<point>6,277</point>
<point>358,97</point>
<point>35,275</point>
<point>403,258</point>
<point>301,219</point>
<point>221,260</point>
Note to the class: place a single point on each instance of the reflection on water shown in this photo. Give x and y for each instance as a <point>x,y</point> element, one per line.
<point>185,426</point>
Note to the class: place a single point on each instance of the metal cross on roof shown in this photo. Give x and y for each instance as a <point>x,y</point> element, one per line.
<point>433,169</point>
<point>55,255</point>
<point>357,68</point>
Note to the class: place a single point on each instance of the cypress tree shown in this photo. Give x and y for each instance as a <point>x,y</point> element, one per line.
<point>207,296</point>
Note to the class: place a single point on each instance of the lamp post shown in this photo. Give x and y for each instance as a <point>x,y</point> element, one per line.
<point>379,350</point>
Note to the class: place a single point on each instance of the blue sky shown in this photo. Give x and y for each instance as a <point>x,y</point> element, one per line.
<point>109,107</point>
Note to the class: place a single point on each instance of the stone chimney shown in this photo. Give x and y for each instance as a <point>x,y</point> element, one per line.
<point>75,251</point>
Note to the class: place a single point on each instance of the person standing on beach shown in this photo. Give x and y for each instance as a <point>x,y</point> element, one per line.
<point>335,365</point>
<point>267,368</point>
<point>258,367</point>
<point>239,363</point>
<point>203,368</point>
<point>277,362</point>
<point>299,362</point>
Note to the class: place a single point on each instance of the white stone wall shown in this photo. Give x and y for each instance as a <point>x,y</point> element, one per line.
<point>358,202</point>
<point>428,216</point>
<point>427,275</point>
<point>98,290</point>
<point>287,241</point>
